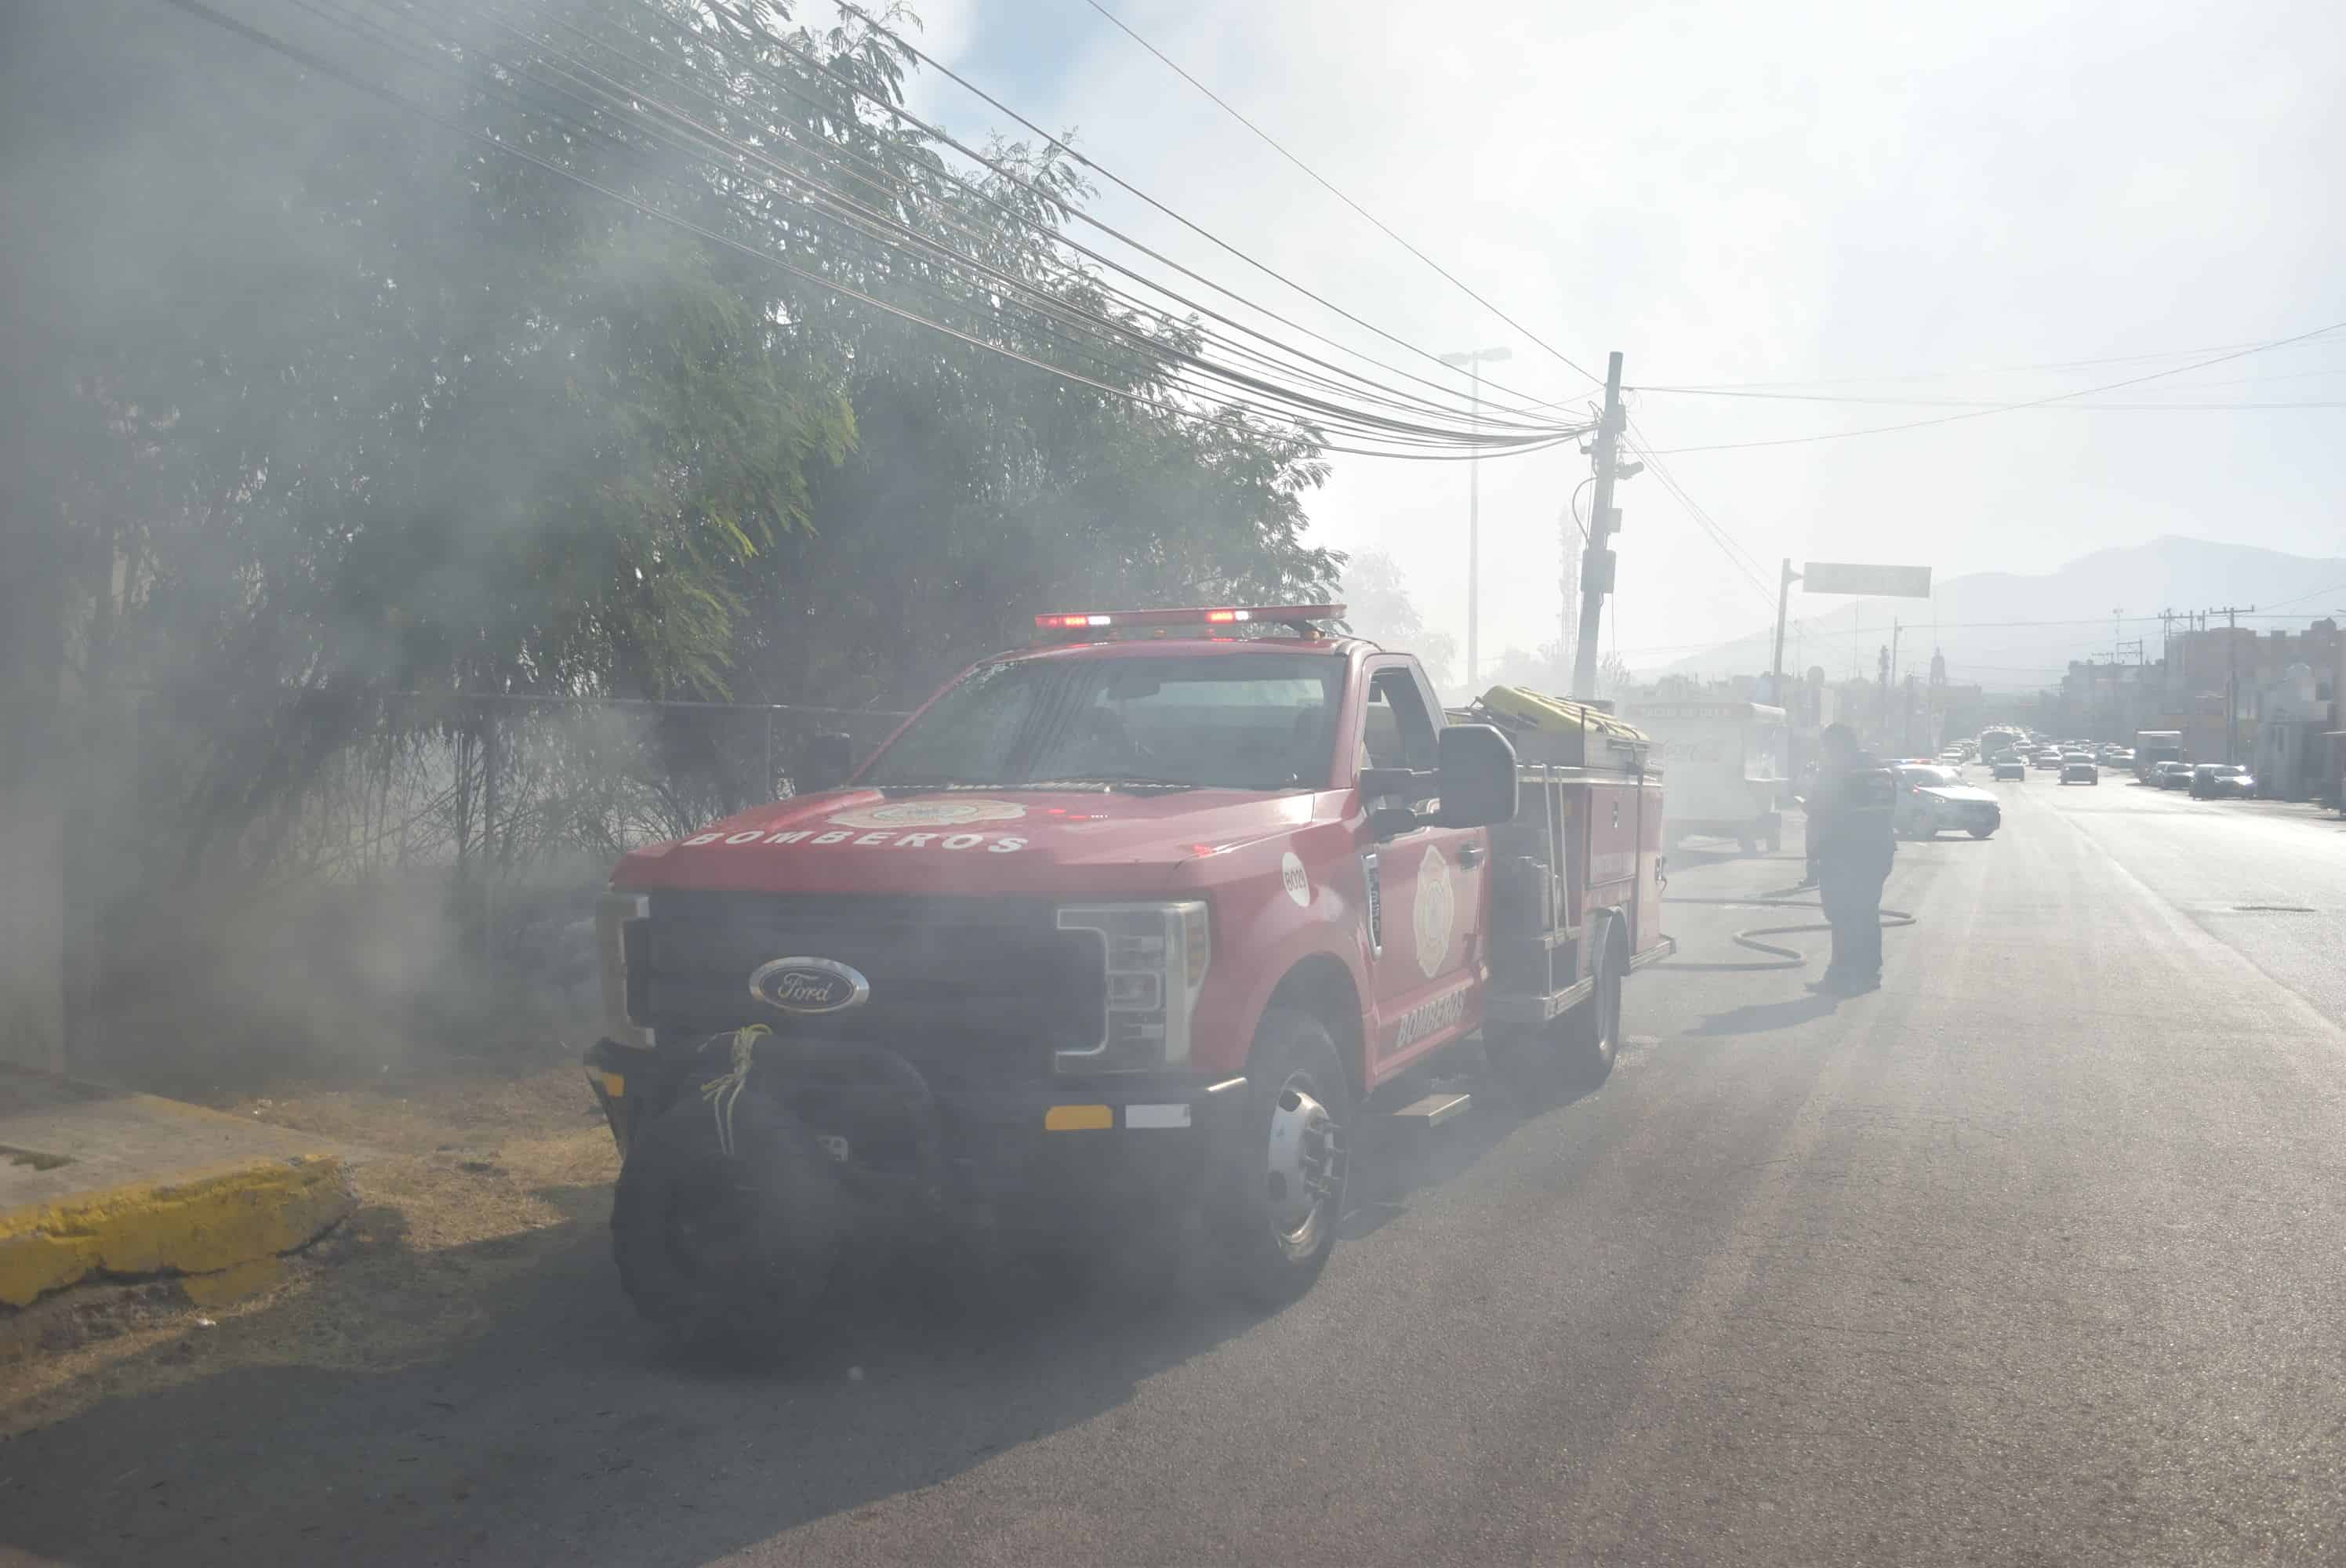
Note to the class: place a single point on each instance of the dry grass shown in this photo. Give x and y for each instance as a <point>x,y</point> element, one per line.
<point>466,1181</point>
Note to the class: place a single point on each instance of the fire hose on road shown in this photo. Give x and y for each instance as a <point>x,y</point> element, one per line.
<point>1781,956</point>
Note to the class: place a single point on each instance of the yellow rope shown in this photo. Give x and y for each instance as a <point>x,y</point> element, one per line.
<point>723,1090</point>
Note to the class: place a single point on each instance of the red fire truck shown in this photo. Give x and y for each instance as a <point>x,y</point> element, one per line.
<point>1153,911</point>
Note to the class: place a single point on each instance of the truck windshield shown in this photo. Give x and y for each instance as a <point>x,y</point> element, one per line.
<point>1254,721</point>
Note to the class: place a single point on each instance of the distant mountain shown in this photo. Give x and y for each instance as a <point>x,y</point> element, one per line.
<point>2013,633</point>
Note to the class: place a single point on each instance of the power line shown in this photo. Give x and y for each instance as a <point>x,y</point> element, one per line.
<point>1749,563</point>
<point>863,219</point>
<point>1271,142</point>
<point>730,9</point>
<point>2271,607</point>
<point>1823,620</point>
<point>1390,397</point>
<point>321,63</point>
<point>1992,371</point>
<point>2005,408</point>
<point>1737,557</point>
<point>1994,403</point>
<point>621,99</point>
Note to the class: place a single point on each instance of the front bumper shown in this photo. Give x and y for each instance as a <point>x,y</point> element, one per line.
<point>1962,815</point>
<point>986,1150</point>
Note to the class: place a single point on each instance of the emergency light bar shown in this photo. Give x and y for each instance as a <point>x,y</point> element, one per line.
<point>1301,617</point>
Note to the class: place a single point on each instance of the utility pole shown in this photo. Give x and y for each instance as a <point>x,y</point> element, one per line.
<point>1776,669</point>
<point>1472,360</point>
<point>1596,561</point>
<point>2232,614</point>
<point>1886,696</point>
<point>1776,675</point>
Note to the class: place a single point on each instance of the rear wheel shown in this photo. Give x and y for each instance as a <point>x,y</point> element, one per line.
<point>1283,1193</point>
<point>1981,832</point>
<point>1592,1031</point>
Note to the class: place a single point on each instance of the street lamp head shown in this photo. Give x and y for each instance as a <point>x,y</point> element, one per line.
<point>1477,356</point>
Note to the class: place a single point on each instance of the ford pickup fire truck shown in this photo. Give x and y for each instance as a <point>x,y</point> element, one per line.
<point>1155,910</point>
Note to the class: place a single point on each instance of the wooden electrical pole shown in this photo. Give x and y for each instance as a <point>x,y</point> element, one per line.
<point>1596,560</point>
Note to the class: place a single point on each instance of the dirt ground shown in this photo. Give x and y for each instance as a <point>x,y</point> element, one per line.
<point>466,1174</point>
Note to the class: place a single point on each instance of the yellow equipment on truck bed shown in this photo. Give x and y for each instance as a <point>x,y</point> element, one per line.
<point>1558,730</point>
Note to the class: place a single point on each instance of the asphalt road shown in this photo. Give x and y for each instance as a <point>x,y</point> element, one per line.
<point>2033,1256</point>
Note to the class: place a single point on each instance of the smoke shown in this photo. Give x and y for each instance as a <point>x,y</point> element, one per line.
<point>356,452</point>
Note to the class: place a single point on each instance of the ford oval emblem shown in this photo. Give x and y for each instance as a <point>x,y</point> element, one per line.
<point>809,985</point>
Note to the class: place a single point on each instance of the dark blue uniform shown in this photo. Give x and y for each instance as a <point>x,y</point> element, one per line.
<point>1851,845</point>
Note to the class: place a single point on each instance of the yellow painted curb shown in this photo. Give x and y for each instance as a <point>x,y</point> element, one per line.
<point>199,1224</point>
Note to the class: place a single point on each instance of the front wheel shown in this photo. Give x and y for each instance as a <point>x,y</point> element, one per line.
<point>1982,832</point>
<point>1283,1192</point>
<point>724,1246</point>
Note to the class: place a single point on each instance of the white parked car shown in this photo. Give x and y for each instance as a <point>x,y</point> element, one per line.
<point>1933,801</point>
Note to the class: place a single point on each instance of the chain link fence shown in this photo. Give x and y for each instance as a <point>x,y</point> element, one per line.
<point>431,879</point>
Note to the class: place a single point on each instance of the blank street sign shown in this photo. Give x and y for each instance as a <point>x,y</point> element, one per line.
<point>1839,578</point>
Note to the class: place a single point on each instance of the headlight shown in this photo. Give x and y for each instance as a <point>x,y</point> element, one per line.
<point>615,915</point>
<point>1155,958</point>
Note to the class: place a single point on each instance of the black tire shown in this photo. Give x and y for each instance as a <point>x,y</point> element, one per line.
<point>1980,832</point>
<point>1591,1032</point>
<point>725,1249</point>
<point>1273,1256</point>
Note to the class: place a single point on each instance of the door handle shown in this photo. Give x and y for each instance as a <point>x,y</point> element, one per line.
<point>1470,856</point>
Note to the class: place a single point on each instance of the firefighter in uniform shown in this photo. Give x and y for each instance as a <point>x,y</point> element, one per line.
<point>1851,844</point>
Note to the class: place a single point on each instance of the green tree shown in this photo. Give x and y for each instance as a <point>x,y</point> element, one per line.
<point>349,405</point>
<point>1379,608</point>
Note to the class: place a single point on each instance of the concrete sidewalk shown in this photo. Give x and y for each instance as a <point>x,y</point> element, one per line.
<point>106,1183</point>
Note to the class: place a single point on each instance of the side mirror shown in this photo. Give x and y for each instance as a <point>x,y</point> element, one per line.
<point>825,764</point>
<point>1478,777</point>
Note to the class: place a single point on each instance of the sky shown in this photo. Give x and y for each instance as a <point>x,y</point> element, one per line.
<point>1853,200</point>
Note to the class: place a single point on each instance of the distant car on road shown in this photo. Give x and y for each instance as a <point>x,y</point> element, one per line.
<point>2221,780</point>
<point>2008,767</point>
<point>2080,770</point>
<point>1933,799</point>
<point>2048,759</point>
<point>2172,775</point>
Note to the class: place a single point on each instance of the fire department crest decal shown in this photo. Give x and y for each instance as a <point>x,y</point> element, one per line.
<point>930,814</point>
<point>1437,911</point>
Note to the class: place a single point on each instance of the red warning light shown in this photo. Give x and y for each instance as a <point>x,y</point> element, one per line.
<point>1219,615</point>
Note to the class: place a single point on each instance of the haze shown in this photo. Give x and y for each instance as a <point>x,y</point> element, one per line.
<point>1734,194</point>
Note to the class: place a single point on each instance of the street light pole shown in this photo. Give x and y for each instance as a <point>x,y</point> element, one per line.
<point>1474,536</point>
<point>1473,360</point>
